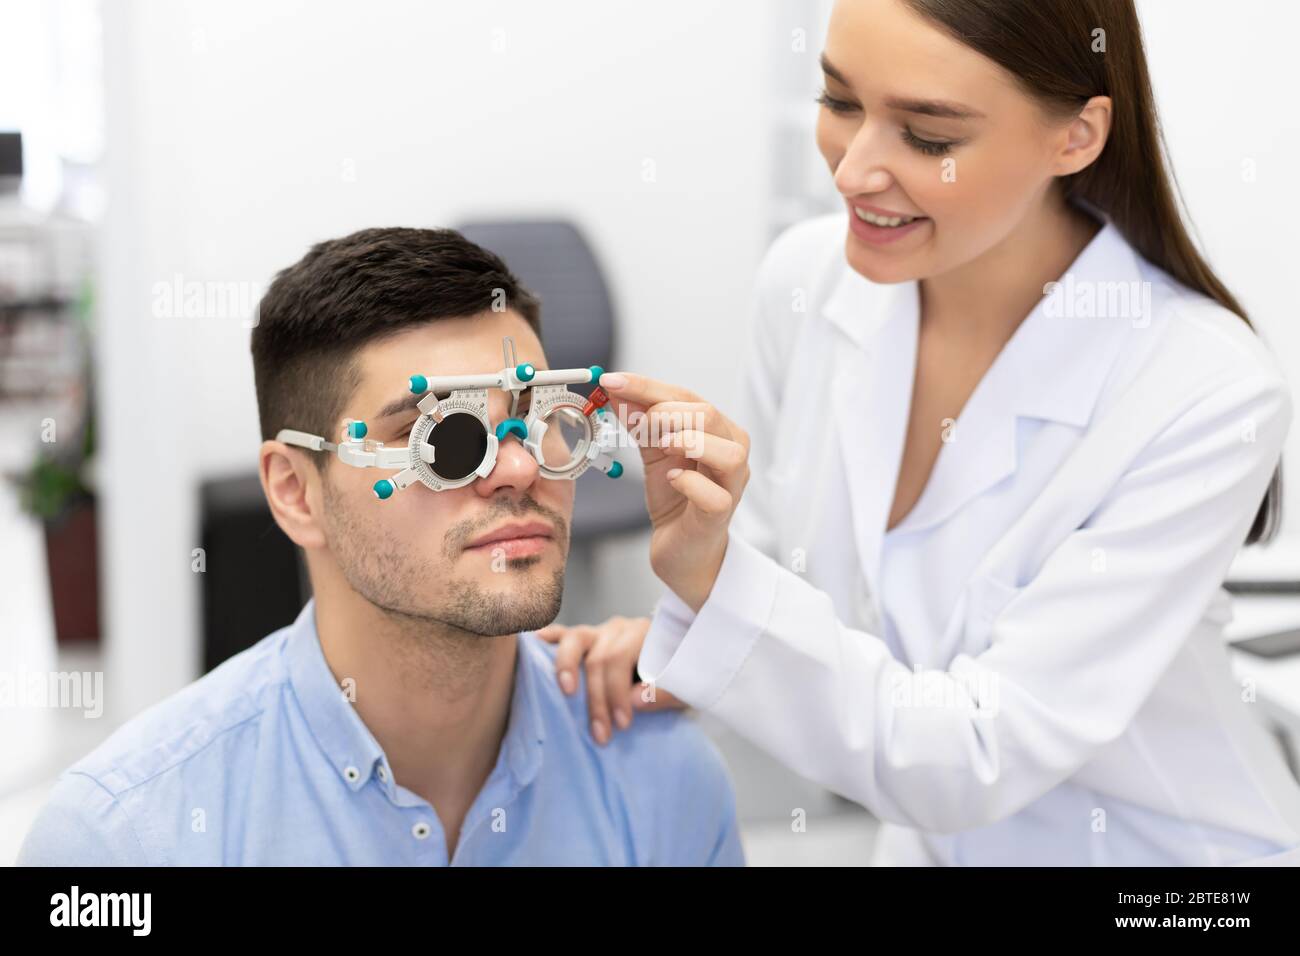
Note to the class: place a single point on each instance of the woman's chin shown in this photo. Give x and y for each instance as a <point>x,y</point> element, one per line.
<point>881,268</point>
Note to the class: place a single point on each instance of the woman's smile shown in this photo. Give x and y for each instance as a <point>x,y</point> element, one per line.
<point>878,229</point>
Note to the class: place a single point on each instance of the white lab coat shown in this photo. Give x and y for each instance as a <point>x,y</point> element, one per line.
<point>1030,668</point>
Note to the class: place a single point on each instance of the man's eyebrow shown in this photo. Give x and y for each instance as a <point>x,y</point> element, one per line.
<point>943,109</point>
<point>407,404</point>
<point>397,406</point>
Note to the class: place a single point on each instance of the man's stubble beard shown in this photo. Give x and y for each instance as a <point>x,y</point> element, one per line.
<point>413,588</point>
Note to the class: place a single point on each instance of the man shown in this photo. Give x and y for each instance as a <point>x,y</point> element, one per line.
<point>409,716</point>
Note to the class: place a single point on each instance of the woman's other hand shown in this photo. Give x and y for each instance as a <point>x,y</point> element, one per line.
<point>609,652</point>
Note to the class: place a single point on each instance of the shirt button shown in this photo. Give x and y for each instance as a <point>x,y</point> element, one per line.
<point>352,774</point>
<point>383,774</point>
<point>421,830</point>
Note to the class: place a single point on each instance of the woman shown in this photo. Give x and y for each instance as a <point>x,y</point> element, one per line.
<point>1007,432</point>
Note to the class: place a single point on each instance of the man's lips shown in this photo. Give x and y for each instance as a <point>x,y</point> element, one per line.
<point>524,533</point>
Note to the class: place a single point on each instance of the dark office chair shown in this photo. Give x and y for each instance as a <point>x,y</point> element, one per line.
<point>254,581</point>
<point>553,260</point>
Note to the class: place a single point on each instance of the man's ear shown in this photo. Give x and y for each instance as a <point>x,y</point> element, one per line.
<point>1085,136</point>
<point>292,488</point>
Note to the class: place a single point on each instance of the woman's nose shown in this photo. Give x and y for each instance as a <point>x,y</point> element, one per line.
<point>861,170</point>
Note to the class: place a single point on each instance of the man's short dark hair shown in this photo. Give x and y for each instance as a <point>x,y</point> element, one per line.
<point>345,293</point>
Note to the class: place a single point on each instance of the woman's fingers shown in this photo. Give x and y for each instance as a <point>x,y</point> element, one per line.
<point>574,642</point>
<point>704,493</point>
<point>631,398</point>
<point>725,457</point>
<point>597,704</point>
<point>608,652</point>
<point>617,654</point>
<point>552,633</point>
<point>652,410</point>
<point>630,387</point>
<point>668,417</point>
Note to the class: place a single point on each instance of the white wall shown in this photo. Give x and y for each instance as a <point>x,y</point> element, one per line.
<point>1225,83</point>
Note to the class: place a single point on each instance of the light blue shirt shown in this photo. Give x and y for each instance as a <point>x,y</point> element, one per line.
<point>264,761</point>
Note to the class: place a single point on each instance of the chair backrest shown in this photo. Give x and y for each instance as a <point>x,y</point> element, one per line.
<point>554,261</point>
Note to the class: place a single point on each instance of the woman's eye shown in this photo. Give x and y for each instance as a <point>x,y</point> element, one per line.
<point>929,147</point>
<point>833,104</point>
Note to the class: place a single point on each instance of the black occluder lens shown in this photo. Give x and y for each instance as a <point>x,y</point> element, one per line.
<point>459,444</point>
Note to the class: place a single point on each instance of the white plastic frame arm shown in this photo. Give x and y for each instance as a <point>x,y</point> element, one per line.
<point>353,453</point>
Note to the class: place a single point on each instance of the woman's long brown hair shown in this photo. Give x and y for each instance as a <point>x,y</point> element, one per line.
<point>1055,50</point>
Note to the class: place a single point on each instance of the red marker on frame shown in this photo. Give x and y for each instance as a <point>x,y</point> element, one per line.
<point>598,399</point>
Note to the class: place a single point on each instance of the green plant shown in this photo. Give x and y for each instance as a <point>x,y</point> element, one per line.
<point>53,486</point>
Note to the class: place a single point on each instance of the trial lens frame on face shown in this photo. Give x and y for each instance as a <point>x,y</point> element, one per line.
<point>452,442</point>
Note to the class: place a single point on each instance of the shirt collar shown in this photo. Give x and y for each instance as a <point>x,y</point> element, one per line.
<point>1068,331</point>
<point>349,745</point>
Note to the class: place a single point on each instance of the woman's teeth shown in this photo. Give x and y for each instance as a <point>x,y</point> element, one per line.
<point>888,221</point>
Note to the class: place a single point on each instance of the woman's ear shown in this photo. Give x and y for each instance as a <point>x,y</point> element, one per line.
<point>1085,137</point>
<point>291,484</point>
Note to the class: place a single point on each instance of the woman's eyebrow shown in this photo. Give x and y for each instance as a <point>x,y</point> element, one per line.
<point>943,109</point>
<point>830,71</point>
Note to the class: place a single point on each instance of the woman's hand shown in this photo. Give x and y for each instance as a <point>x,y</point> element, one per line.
<point>696,467</point>
<point>610,651</point>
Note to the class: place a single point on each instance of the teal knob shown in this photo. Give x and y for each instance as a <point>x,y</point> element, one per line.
<point>596,373</point>
<point>525,372</point>
<point>515,425</point>
<point>419,384</point>
<point>383,489</point>
<point>615,469</point>
<point>356,430</point>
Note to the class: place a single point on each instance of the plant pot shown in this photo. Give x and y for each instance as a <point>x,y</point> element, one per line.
<point>72,559</point>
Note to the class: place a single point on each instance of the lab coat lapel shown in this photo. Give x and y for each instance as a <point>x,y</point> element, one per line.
<point>870,392</point>
<point>979,448</point>
<point>1051,369</point>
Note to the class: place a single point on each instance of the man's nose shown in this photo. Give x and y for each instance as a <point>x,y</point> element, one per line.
<point>515,468</point>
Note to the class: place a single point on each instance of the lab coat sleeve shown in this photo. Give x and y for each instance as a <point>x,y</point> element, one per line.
<point>1072,656</point>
